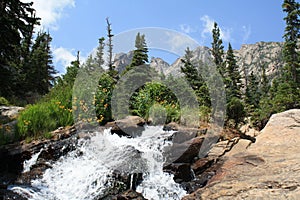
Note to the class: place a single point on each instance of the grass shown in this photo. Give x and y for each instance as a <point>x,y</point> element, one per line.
<point>39,119</point>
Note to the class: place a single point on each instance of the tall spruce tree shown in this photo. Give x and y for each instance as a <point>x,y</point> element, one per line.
<point>291,50</point>
<point>99,60</point>
<point>194,78</point>
<point>110,45</point>
<point>235,106</point>
<point>252,93</point>
<point>233,76</point>
<point>17,20</point>
<point>140,54</point>
<point>218,49</point>
<point>264,83</point>
<point>40,76</point>
<point>285,91</point>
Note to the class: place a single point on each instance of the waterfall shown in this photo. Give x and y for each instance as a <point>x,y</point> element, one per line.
<point>28,163</point>
<point>87,172</point>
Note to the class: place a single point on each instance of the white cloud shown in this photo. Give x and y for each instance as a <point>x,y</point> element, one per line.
<point>208,25</point>
<point>186,28</point>
<point>63,57</point>
<point>50,11</point>
<point>246,33</point>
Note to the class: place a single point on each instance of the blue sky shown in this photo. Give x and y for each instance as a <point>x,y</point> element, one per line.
<point>77,24</point>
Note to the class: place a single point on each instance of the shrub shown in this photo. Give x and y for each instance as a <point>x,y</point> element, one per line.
<point>157,97</point>
<point>38,119</point>
<point>102,98</point>
<point>235,111</point>
<point>3,101</point>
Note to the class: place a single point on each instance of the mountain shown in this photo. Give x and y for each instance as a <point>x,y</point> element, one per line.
<point>121,60</point>
<point>250,58</point>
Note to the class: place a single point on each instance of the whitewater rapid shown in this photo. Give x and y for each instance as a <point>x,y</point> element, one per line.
<point>86,173</point>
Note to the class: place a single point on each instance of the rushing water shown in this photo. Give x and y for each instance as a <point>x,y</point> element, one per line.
<point>87,172</point>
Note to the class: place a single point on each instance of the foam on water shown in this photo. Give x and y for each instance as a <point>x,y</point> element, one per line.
<point>87,172</point>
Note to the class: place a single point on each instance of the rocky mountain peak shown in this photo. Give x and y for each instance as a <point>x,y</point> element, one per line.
<point>253,57</point>
<point>250,58</point>
<point>159,65</point>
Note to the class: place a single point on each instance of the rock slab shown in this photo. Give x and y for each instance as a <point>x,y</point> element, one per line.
<point>266,169</point>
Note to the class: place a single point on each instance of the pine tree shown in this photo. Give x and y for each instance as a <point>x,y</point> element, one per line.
<point>233,76</point>
<point>195,80</point>
<point>72,71</point>
<point>99,60</point>
<point>40,76</point>
<point>110,45</point>
<point>235,106</point>
<point>218,49</point>
<point>17,20</point>
<point>140,54</point>
<point>264,84</point>
<point>292,38</point>
<point>252,93</point>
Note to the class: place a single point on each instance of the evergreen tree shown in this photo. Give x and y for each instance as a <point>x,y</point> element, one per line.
<point>291,54</point>
<point>17,20</point>
<point>252,93</point>
<point>264,84</point>
<point>196,81</point>
<point>140,54</point>
<point>99,60</point>
<point>110,45</point>
<point>40,76</point>
<point>218,49</point>
<point>233,76</point>
<point>111,68</point>
<point>235,106</point>
<point>72,71</point>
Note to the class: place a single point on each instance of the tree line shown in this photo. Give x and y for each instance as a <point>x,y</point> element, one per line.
<point>25,57</point>
<point>26,69</point>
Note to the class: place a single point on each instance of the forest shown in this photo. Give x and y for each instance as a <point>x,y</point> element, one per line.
<point>28,78</point>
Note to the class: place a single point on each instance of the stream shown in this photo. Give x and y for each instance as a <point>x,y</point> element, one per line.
<point>88,172</point>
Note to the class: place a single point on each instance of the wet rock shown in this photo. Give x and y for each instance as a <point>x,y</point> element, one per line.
<point>128,195</point>
<point>120,184</point>
<point>131,126</point>
<point>266,169</point>
<point>182,172</point>
<point>183,136</point>
<point>172,126</point>
<point>189,151</point>
<point>13,155</point>
<point>9,195</point>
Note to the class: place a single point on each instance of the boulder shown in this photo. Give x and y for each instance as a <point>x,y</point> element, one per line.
<point>10,111</point>
<point>8,115</point>
<point>172,126</point>
<point>129,194</point>
<point>185,152</point>
<point>131,126</point>
<point>182,172</point>
<point>266,169</point>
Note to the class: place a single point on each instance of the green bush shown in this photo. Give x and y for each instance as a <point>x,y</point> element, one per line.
<point>235,111</point>
<point>102,98</point>
<point>204,113</point>
<point>3,101</point>
<point>157,97</point>
<point>38,119</point>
